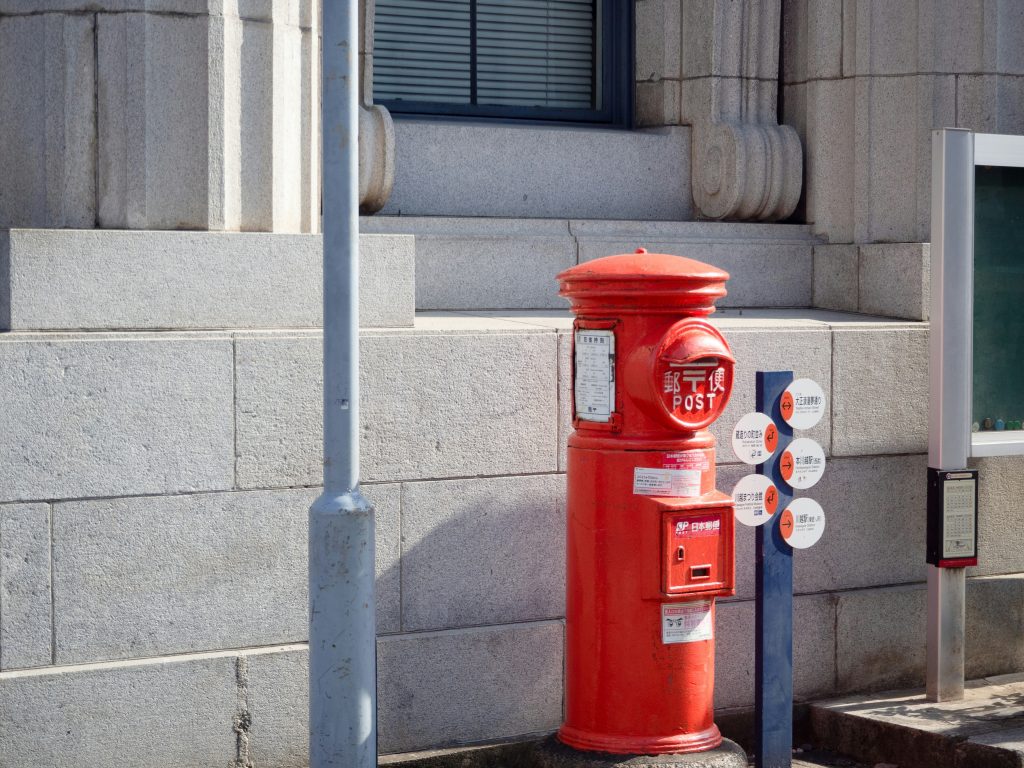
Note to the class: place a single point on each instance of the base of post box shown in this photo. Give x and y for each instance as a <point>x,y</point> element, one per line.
<point>551,753</point>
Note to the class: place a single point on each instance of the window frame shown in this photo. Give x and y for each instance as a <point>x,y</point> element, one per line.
<point>616,85</point>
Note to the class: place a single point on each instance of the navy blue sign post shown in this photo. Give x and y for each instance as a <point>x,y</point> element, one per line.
<point>773,677</point>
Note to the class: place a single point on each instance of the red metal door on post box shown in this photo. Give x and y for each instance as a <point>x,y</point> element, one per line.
<point>650,541</point>
<point>696,555</point>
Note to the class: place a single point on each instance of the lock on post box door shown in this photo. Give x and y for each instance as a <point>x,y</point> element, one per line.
<point>697,553</point>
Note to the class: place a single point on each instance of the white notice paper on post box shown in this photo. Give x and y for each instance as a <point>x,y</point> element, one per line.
<point>686,622</point>
<point>594,380</point>
<point>648,481</point>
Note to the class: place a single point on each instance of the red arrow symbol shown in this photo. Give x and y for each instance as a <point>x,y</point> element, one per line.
<point>787,524</point>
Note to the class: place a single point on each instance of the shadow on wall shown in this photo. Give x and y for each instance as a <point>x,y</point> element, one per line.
<point>471,611</point>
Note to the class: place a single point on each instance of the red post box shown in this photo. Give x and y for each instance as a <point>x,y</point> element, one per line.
<point>650,541</point>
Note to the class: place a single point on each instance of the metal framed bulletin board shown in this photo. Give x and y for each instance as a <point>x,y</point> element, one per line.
<point>977,297</point>
<point>976,359</point>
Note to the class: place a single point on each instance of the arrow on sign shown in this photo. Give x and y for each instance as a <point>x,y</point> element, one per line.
<point>786,405</point>
<point>786,523</point>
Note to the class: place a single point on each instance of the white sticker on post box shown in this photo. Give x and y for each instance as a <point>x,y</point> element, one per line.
<point>802,523</point>
<point>754,438</point>
<point>648,481</point>
<point>686,622</point>
<point>802,404</point>
<point>594,379</point>
<point>755,499</point>
<point>802,463</point>
<point>693,459</point>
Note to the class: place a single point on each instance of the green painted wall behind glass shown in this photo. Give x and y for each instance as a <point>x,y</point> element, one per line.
<point>999,294</point>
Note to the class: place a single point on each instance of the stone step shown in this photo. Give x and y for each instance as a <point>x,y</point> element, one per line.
<point>63,279</point>
<point>983,730</point>
<point>491,263</point>
<point>60,279</point>
<point>445,168</point>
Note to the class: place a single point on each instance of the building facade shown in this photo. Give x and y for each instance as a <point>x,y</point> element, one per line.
<point>160,299</point>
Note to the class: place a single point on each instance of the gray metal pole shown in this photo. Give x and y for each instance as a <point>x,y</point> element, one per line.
<point>342,626</point>
<point>949,417</point>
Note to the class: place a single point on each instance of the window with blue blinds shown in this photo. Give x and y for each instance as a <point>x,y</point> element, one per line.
<point>423,51</point>
<point>502,58</point>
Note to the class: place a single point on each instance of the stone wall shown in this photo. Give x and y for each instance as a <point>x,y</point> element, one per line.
<point>153,532</point>
<point>865,83</point>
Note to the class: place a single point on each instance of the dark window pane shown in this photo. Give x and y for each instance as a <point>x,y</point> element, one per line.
<point>998,295</point>
<point>522,53</point>
<point>422,51</point>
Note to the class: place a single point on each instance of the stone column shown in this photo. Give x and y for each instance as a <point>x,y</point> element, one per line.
<point>47,119</point>
<point>205,120</point>
<point>657,63</point>
<point>170,114</point>
<point>866,81</point>
<point>745,165</point>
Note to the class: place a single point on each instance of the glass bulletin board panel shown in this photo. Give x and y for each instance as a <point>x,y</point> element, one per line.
<point>998,298</point>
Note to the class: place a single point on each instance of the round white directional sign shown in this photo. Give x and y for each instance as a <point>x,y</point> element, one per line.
<point>802,404</point>
<point>802,463</point>
<point>756,500</point>
<point>802,523</point>
<point>754,438</point>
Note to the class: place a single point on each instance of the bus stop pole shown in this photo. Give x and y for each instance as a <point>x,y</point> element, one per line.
<point>342,627</point>
<point>951,363</point>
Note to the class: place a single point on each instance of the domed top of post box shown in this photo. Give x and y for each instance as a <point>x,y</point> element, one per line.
<point>644,282</point>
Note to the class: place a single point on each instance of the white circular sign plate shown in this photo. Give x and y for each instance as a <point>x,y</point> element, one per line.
<point>802,463</point>
<point>754,438</point>
<point>802,404</point>
<point>756,500</point>
<point>802,523</point>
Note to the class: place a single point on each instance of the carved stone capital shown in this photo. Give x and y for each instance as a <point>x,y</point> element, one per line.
<point>376,129</point>
<point>746,171</point>
<point>376,157</point>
